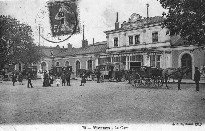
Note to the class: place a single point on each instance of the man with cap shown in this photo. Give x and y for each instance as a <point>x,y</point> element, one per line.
<point>197,78</point>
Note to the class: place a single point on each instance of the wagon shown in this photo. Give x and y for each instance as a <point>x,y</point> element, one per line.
<point>146,76</point>
<point>112,71</point>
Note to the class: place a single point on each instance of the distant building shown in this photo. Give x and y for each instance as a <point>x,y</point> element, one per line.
<point>86,57</point>
<point>143,42</point>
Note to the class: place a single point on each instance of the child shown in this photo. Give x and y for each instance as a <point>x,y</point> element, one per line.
<point>20,79</point>
<point>83,81</point>
<point>57,81</point>
<point>51,80</point>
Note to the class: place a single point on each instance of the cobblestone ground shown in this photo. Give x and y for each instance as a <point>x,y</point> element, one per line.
<point>107,102</point>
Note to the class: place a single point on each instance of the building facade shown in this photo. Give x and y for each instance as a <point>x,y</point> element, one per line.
<point>87,57</point>
<point>143,42</point>
<point>137,42</point>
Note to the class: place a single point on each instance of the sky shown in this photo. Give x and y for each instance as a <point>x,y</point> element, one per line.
<point>96,15</point>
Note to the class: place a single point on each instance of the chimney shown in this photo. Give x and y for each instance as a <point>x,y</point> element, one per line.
<point>69,46</point>
<point>147,10</point>
<point>117,23</point>
<point>84,42</point>
<point>63,46</point>
<point>93,41</point>
<point>83,33</point>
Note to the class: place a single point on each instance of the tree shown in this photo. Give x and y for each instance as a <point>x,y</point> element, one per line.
<point>16,42</point>
<point>187,19</point>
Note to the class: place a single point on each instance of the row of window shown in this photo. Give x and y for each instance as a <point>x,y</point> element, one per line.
<point>135,39</point>
<point>154,59</point>
<point>89,64</point>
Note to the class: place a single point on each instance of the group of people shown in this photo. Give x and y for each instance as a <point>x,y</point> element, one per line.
<point>48,79</point>
<point>19,77</point>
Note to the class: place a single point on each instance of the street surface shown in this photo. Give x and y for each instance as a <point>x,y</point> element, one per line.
<point>107,102</point>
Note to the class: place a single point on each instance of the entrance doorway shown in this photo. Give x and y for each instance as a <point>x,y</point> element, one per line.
<point>186,61</point>
<point>43,66</point>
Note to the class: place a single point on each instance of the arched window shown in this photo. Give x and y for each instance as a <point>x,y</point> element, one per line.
<point>186,61</point>
<point>66,64</point>
<point>77,68</point>
<point>89,64</point>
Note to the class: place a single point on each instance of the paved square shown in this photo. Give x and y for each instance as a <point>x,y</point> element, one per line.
<point>107,102</point>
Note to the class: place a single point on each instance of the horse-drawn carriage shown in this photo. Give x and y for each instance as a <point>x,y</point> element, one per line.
<point>58,71</point>
<point>112,71</point>
<point>29,69</point>
<point>89,74</point>
<point>155,77</point>
<point>146,76</point>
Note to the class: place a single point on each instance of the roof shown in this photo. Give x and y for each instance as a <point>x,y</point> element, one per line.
<point>142,22</point>
<point>91,49</point>
<point>46,51</point>
<point>136,22</point>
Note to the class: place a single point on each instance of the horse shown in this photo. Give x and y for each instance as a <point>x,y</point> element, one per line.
<point>169,72</point>
<point>175,73</point>
<point>179,74</point>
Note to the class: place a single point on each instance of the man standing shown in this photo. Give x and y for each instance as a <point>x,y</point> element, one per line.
<point>98,75</point>
<point>63,78</point>
<point>68,74</point>
<point>29,81</point>
<point>14,77</point>
<point>197,78</point>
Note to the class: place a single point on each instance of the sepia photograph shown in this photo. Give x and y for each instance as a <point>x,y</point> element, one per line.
<point>94,65</point>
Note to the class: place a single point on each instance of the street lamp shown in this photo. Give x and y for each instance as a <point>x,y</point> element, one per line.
<point>52,56</point>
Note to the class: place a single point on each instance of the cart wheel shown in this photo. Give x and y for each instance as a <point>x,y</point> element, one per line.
<point>159,82</point>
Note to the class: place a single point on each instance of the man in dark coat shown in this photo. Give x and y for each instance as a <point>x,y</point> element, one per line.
<point>98,76</point>
<point>68,74</point>
<point>29,81</point>
<point>197,78</point>
<point>117,75</point>
<point>63,78</point>
<point>14,77</point>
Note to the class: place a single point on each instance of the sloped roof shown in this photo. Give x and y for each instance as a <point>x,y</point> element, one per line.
<point>46,51</point>
<point>91,49</point>
<point>142,22</point>
<point>139,23</point>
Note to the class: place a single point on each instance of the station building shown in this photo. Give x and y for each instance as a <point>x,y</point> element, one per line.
<point>136,42</point>
<point>143,42</point>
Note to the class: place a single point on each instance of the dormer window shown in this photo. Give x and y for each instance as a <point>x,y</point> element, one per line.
<point>57,63</point>
<point>155,37</point>
<point>115,42</point>
<point>130,40</point>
